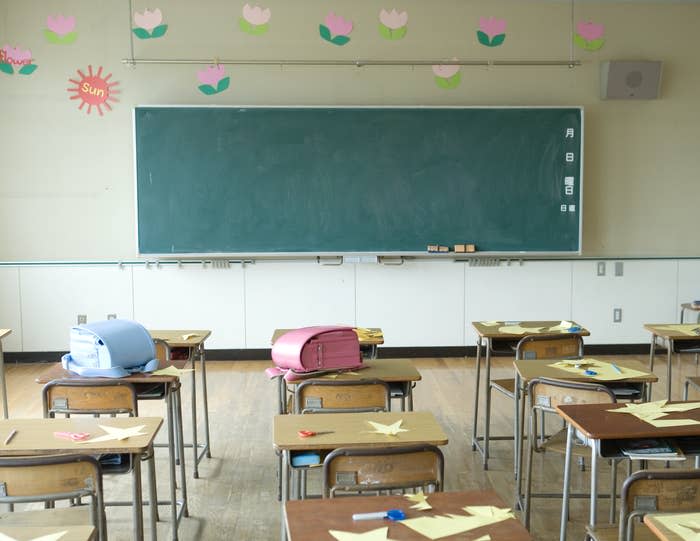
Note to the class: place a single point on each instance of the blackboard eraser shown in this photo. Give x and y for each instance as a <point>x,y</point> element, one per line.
<point>433,248</point>
<point>470,248</point>
<point>460,248</point>
<point>443,249</point>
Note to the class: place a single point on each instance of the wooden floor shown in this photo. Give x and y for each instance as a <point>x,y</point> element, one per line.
<point>235,496</point>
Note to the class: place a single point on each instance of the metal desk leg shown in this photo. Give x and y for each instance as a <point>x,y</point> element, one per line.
<point>409,395</point>
<point>282,395</point>
<point>476,395</point>
<point>285,492</point>
<point>137,498</point>
<point>652,352</point>
<point>2,382</point>
<point>567,479</point>
<point>205,396</point>
<point>195,445</point>
<point>171,463</point>
<point>152,495</point>
<point>487,383</point>
<point>517,431</point>
<point>669,358</point>
<point>594,484</point>
<point>179,439</point>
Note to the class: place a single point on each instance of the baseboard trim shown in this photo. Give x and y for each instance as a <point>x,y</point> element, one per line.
<point>263,354</point>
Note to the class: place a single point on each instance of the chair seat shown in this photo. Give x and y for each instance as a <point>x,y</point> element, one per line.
<point>66,516</point>
<point>557,444</point>
<point>611,532</point>
<point>506,386</point>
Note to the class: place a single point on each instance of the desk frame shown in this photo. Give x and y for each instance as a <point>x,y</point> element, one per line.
<point>669,339</point>
<point>3,384</point>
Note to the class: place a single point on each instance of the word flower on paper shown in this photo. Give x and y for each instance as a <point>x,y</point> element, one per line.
<point>60,30</point>
<point>589,36</point>
<point>447,76</point>
<point>336,29</point>
<point>255,20</point>
<point>492,31</point>
<point>93,90</point>
<point>148,24</point>
<point>14,58</point>
<point>392,24</point>
<point>213,80</point>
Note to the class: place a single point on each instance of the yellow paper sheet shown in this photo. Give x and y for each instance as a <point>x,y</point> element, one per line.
<point>171,371</point>
<point>421,501</point>
<point>389,430</point>
<point>518,329</point>
<point>604,371</point>
<point>563,326</point>
<point>685,525</point>
<point>688,329</point>
<point>189,335</point>
<point>368,334</point>
<point>490,511</point>
<point>48,537</point>
<point>438,526</point>
<point>663,423</point>
<point>115,433</point>
<point>380,534</point>
<point>652,412</point>
<point>490,323</point>
<point>486,537</point>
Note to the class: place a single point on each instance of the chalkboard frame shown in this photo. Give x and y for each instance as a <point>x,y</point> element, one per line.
<point>252,255</point>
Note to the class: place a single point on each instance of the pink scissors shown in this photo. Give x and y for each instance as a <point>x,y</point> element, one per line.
<point>72,436</point>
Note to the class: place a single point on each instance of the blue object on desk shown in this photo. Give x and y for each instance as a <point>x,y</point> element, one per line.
<point>591,373</point>
<point>574,329</point>
<point>306,458</point>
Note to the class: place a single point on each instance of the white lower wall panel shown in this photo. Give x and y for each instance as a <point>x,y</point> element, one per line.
<point>53,296</point>
<point>688,286</point>
<point>281,295</point>
<point>10,312</point>
<point>193,297</point>
<point>646,293</point>
<point>416,304</point>
<point>535,290</point>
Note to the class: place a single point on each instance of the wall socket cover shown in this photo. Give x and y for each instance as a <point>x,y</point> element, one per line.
<point>601,268</point>
<point>82,319</point>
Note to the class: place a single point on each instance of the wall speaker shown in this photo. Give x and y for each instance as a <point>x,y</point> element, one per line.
<point>627,80</point>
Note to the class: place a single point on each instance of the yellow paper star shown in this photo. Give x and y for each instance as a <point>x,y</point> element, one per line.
<point>49,537</point>
<point>115,433</point>
<point>421,501</point>
<point>171,371</point>
<point>380,534</point>
<point>389,430</point>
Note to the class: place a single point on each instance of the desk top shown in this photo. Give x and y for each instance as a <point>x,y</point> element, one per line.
<point>364,340</point>
<point>27,533</point>
<point>660,530</point>
<point>675,331</point>
<point>539,368</point>
<point>4,333</point>
<point>596,422</point>
<point>56,371</point>
<point>492,329</point>
<point>310,520</point>
<point>176,338</point>
<point>35,436</point>
<point>353,430</point>
<point>389,370</point>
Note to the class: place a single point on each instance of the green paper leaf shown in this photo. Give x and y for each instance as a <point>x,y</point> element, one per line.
<point>325,33</point>
<point>449,83</point>
<point>54,38</point>
<point>159,31</point>
<point>579,41</point>
<point>27,69</point>
<point>260,29</point>
<point>498,40</point>
<point>69,38</point>
<point>385,31</point>
<point>400,33</point>
<point>483,38</point>
<point>6,68</point>
<point>245,26</point>
<point>340,40</point>
<point>595,44</point>
<point>51,36</point>
<point>207,89</point>
<point>442,82</point>
<point>141,33</point>
<point>223,84</point>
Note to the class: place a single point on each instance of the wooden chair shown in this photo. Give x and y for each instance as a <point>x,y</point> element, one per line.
<point>52,479</point>
<point>564,346</point>
<point>544,395</point>
<point>377,469</point>
<point>650,491</point>
<point>112,397</point>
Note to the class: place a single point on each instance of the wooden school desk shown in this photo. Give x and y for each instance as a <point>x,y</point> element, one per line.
<point>310,520</point>
<point>660,530</point>
<point>348,430</point>
<point>527,370</point>
<point>674,337</point>
<point>397,371</point>
<point>368,344</point>
<point>28,533</point>
<point>3,334</point>
<point>490,334</point>
<point>35,437</point>
<point>691,308</point>
<point>193,340</point>
<point>604,428</point>
<point>171,395</point>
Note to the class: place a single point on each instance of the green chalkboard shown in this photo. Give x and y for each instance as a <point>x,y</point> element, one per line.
<point>264,180</point>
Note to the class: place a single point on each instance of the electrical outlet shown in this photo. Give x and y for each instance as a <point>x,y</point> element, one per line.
<point>111,316</point>
<point>82,319</point>
<point>601,268</point>
<point>619,268</point>
<point>617,315</point>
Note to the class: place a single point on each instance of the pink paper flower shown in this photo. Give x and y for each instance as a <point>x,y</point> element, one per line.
<point>211,75</point>
<point>337,25</point>
<point>16,56</point>
<point>148,20</point>
<point>255,15</point>
<point>445,70</point>
<point>492,26</point>
<point>590,31</point>
<point>393,19</point>
<point>60,25</point>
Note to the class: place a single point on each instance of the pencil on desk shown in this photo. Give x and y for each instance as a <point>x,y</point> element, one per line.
<point>616,368</point>
<point>11,435</point>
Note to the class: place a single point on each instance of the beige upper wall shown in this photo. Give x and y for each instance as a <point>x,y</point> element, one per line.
<point>67,187</point>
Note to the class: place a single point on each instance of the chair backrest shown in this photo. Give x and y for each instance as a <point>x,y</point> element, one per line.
<point>50,479</point>
<point>377,469</point>
<point>561,346</point>
<point>162,349</point>
<point>89,397</point>
<point>664,491</point>
<point>342,396</point>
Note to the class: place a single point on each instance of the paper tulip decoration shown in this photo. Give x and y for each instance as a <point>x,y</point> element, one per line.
<point>392,24</point>
<point>213,80</point>
<point>15,59</point>
<point>148,24</point>
<point>589,36</point>
<point>336,29</point>
<point>447,76</point>
<point>254,20</point>
<point>492,31</point>
<point>60,30</point>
